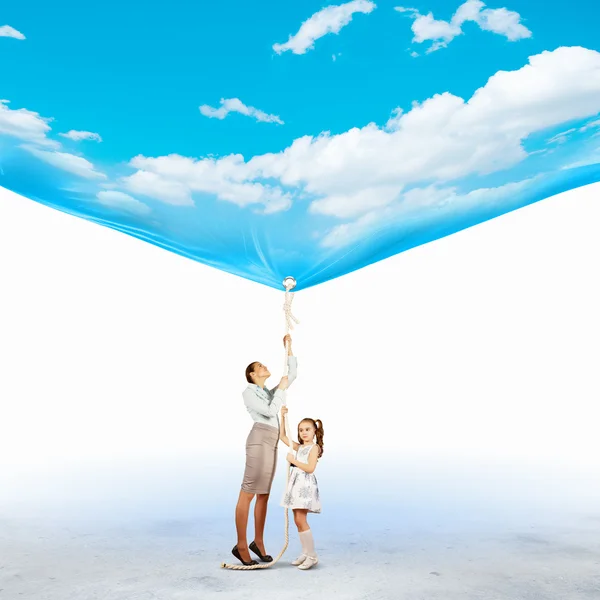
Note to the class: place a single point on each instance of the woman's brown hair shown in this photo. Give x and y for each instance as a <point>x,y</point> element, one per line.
<point>318,427</point>
<point>250,369</point>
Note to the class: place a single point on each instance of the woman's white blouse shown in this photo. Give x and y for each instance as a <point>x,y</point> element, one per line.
<point>263,404</point>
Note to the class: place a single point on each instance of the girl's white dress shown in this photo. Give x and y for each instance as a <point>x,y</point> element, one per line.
<point>302,490</point>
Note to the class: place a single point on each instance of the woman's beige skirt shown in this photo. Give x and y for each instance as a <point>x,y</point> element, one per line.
<point>261,459</point>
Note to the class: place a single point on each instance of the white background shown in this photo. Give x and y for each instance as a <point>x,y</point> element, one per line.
<point>479,348</point>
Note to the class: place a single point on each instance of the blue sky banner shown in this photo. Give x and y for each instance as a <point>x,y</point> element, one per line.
<point>298,138</point>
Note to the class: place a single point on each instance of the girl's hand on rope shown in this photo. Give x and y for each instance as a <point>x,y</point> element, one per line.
<point>287,338</point>
<point>284,411</point>
<point>283,384</point>
<point>290,457</point>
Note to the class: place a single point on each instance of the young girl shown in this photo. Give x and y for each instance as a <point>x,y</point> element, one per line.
<point>302,494</point>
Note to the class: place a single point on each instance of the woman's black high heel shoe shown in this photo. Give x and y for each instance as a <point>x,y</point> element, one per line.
<point>265,558</point>
<point>237,554</point>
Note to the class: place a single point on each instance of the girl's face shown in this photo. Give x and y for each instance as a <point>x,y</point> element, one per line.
<point>306,432</point>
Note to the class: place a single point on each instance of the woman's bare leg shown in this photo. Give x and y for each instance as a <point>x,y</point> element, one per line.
<point>242,510</point>
<point>260,517</point>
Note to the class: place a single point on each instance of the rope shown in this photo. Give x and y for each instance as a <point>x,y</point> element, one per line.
<point>290,319</point>
<point>289,283</point>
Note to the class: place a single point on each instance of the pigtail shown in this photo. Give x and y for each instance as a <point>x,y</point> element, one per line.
<point>319,435</point>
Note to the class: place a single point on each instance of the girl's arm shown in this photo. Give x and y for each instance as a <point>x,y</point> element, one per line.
<point>312,460</point>
<point>282,434</point>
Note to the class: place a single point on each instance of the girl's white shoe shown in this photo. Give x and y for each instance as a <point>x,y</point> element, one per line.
<point>310,561</point>
<point>299,560</point>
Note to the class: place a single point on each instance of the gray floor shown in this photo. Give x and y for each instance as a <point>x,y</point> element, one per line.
<point>179,560</point>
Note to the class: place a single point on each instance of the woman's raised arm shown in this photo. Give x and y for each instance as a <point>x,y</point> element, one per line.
<point>292,364</point>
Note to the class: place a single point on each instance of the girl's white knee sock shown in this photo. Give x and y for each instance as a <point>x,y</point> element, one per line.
<point>308,544</point>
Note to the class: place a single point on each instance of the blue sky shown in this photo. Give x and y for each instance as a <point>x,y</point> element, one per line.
<point>250,193</point>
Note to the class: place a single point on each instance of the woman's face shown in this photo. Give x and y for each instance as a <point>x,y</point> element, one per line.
<point>260,371</point>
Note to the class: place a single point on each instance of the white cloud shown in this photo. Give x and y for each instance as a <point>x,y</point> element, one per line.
<point>67,162</point>
<point>441,140</point>
<point>353,203</point>
<point>445,137</point>
<point>425,28</point>
<point>276,201</point>
<point>503,22</point>
<point>11,32</point>
<point>160,188</point>
<point>119,200</point>
<point>81,135</point>
<point>31,128</point>
<point>592,159</point>
<point>346,233</point>
<point>235,105</point>
<point>590,125</point>
<point>173,179</point>
<point>25,125</point>
<point>410,205</point>
<point>562,137</point>
<point>500,20</point>
<point>330,19</point>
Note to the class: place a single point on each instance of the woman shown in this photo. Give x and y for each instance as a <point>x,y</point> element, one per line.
<point>261,454</point>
